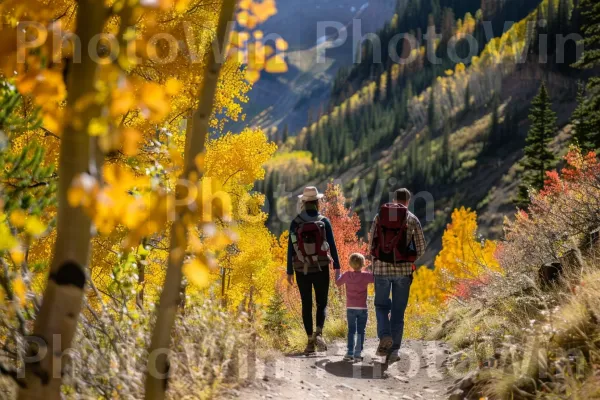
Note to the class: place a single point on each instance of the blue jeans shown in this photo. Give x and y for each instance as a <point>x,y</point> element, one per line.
<point>390,313</point>
<point>357,323</point>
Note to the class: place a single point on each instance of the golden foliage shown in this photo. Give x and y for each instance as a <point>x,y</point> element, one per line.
<point>463,255</point>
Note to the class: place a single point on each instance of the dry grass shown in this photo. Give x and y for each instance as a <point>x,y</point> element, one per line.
<point>109,358</point>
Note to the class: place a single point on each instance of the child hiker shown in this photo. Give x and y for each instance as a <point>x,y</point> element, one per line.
<point>356,282</point>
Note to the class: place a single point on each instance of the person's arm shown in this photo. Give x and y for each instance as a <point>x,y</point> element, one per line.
<point>340,280</point>
<point>372,235</point>
<point>331,242</point>
<point>290,252</point>
<point>419,238</point>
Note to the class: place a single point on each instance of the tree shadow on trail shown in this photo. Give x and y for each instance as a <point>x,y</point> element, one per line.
<point>345,369</point>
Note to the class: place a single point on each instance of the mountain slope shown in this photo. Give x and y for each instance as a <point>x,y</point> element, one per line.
<point>459,143</point>
<point>287,99</point>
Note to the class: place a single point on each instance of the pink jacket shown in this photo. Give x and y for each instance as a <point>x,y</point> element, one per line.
<point>356,288</point>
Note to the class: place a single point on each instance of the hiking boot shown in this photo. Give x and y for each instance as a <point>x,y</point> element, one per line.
<point>310,347</point>
<point>320,342</point>
<point>348,357</point>
<point>393,357</point>
<point>385,344</point>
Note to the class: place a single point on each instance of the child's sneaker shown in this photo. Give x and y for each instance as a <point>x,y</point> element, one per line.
<point>384,346</point>
<point>358,359</point>
<point>349,357</point>
<point>320,342</point>
<point>310,347</point>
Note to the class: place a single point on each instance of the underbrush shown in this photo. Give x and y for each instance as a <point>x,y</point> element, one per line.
<point>532,344</point>
<point>109,359</point>
<point>530,334</point>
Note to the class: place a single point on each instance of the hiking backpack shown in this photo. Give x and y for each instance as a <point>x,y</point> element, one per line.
<point>391,243</point>
<point>310,244</point>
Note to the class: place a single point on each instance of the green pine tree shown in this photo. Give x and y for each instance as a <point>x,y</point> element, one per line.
<point>467,100</point>
<point>276,318</point>
<point>591,59</point>
<point>495,134</point>
<point>446,146</point>
<point>431,110</point>
<point>538,157</point>
<point>582,132</point>
<point>286,134</point>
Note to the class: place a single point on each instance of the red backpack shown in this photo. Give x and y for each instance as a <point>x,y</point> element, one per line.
<point>310,245</point>
<point>391,243</point>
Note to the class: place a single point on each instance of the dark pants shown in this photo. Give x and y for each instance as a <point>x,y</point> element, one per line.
<point>320,282</point>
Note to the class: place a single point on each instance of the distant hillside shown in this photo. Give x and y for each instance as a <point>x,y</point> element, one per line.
<point>288,99</point>
<point>455,132</point>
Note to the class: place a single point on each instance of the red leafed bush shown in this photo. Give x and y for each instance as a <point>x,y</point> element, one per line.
<point>345,223</point>
<point>560,216</point>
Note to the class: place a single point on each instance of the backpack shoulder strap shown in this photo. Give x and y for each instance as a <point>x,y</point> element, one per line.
<point>299,220</point>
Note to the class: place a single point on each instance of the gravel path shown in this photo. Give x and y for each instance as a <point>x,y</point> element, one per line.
<point>418,375</point>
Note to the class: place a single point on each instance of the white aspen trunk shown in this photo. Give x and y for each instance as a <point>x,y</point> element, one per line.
<point>157,375</point>
<point>56,322</point>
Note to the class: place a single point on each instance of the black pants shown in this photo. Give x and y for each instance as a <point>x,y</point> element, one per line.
<point>320,281</point>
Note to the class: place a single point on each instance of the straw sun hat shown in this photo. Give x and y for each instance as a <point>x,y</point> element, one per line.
<point>310,193</point>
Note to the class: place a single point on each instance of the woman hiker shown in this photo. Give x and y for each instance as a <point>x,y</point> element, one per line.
<point>311,249</point>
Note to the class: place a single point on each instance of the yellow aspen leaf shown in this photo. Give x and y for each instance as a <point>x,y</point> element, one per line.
<point>130,140</point>
<point>258,35</point>
<point>34,227</point>
<point>17,256</point>
<point>197,273</point>
<point>142,251</point>
<point>17,218</point>
<point>220,241</point>
<point>200,161</point>
<point>276,65</point>
<point>252,75</point>
<point>281,44</point>
<point>122,101</point>
<point>176,158</point>
<point>75,196</point>
<point>182,5</point>
<point>245,4</point>
<point>268,51</point>
<point>243,18</point>
<point>51,123</point>
<point>153,96</point>
<point>173,86</point>
<point>256,56</point>
<point>195,244</point>
<point>98,127</point>
<point>20,291</point>
<point>7,240</point>
<point>264,10</point>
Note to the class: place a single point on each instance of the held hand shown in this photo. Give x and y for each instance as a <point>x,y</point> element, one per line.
<point>290,279</point>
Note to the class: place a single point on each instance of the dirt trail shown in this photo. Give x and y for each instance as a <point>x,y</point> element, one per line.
<point>418,375</point>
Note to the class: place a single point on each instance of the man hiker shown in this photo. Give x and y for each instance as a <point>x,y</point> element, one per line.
<point>311,249</point>
<point>396,242</point>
